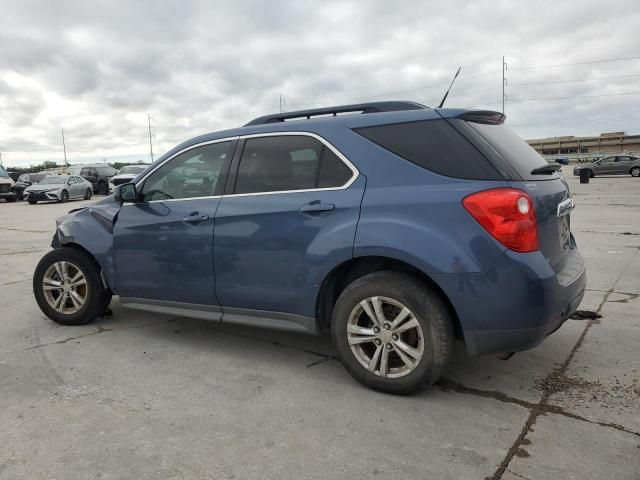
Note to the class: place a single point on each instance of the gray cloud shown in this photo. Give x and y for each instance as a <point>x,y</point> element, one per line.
<point>96,68</point>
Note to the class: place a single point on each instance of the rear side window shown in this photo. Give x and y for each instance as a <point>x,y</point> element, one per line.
<point>289,162</point>
<point>513,149</point>
<point>434,145</point>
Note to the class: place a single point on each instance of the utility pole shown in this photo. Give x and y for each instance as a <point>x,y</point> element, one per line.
<point>150,141</point>
<point>1,165</point>
<point>64,148</point>
<point>504,82</point>
<point>281,103</point>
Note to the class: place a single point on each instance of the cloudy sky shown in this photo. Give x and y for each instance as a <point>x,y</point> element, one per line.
<point>97,68</point>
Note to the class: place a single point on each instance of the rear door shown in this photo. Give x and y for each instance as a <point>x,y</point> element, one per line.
<point>622,164</point>
<point>290,214</point>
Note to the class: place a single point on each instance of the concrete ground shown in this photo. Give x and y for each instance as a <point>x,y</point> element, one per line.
<point>145,396</point>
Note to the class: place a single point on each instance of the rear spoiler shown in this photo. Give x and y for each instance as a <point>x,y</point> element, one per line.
<point>488,117</point>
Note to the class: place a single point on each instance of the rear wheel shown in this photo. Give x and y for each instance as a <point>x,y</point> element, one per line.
<point>635,172</point>
<point>64,197</point>
<point>392,332</point>
<point>88,194</point>
<point>103,188</point>
<point>11,199</point>
<point>32,202</point>
<point>68,288</point>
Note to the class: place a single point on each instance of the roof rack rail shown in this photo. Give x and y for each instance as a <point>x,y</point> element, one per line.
<point>372,107</point>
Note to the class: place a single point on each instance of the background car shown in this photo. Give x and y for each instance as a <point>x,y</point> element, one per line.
<point>127,173</point>
<point>613,165</point>
<point>99,175</point>
<point>7,186</point>
<point>26,180</point>
<point>14,175</point>
<point>59,188</point>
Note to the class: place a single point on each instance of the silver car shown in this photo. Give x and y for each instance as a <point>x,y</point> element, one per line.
<point>614,165</point>
<point>59,188</point>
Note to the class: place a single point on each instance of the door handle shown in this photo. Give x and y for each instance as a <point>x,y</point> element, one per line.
<point>195,218</point>
<point>317,207</point>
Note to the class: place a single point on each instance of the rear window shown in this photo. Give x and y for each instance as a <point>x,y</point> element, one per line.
<point>434,145</point>
<point>513,149</point>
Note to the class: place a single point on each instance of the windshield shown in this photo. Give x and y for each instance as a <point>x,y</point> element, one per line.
<point>3,172</point>
<point>53,180</point>
<point>131,169</point>
<point>36,177</point>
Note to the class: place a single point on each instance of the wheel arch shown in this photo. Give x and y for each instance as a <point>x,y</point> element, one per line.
<point>345,273</point>
<point>81,248</point>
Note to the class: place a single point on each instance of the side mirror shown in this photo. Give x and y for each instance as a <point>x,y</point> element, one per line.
<point>125,193</point>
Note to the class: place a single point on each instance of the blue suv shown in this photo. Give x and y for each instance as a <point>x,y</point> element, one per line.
<point>396,227</point>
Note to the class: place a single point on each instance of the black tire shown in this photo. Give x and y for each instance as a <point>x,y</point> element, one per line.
<point>103,189</point>
<point>635,172</point>
<point>428,308</point>
<point>88,194</point>
<point>591,175</point>
<point>32,202</point>
<point>96,294</point>
<point>11,199</point>
<point>64,196</point>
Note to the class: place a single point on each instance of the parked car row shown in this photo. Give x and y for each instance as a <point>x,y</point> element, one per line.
<point>77,182</point>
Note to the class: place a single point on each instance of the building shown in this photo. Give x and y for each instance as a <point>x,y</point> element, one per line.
<point>605,143</point>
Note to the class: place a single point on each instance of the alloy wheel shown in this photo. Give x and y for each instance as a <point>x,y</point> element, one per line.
<point>385,337</point>
<point>65,287</point>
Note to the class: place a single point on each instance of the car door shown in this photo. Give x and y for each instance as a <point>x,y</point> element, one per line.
<point>605,166</point>
<point>76,187</point>
<point>163,243</point>
<point>288,216</point>
<point>622,165</point>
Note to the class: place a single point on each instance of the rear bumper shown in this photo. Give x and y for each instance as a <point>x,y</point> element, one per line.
<point>517,303</point>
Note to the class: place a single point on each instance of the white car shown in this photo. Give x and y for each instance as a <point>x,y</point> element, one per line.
<point>7,186</point>
<point>127,173</point>
<point>60,188</point>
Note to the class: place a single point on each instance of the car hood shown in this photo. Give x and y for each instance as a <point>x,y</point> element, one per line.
<point>124,176</point>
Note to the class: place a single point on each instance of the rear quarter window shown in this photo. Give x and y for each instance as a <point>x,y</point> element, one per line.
<point>434,145</point>
<point>512,149</point>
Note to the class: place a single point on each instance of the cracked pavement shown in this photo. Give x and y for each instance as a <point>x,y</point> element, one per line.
<point>147,396</point>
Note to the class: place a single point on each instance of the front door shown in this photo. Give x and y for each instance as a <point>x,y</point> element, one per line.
<point>605,166</point>
<point>163,244</point>
<point>291,216</point>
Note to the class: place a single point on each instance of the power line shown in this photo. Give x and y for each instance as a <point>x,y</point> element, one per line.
<point>589,62</point>
<point>575,81</point>
<point>574,97</point>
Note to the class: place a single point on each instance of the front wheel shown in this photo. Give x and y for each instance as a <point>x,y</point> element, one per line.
<point>103,189</point>
<point>392,332</point>
<point>635,172</point>
<point>67,287</point>
<point>32,202</point>
<point>88,194</point>
<point>64,197</point>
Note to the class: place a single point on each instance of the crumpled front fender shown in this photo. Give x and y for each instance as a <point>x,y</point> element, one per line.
<point>92,229</point>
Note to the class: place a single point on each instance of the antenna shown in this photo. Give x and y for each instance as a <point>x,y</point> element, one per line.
<point>150,141</point>
<point>64,148</point>
<point>447,94</point>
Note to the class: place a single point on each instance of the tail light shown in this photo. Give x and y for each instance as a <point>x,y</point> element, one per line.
<point>508,215</point>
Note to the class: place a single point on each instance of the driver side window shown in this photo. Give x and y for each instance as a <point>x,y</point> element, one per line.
<point>192,174</point>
